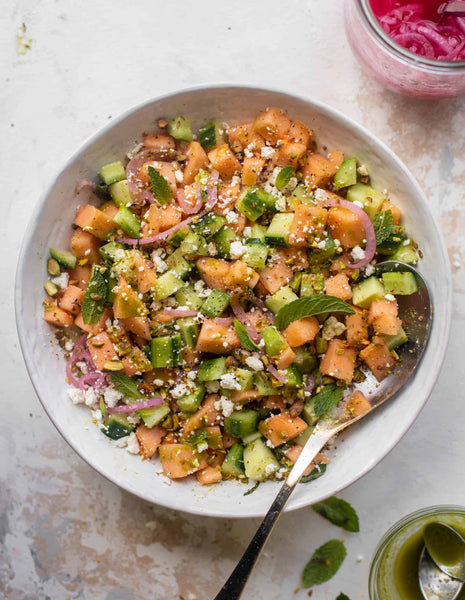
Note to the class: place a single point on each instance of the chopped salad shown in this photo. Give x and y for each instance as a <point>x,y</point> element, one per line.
<point>220,295</point>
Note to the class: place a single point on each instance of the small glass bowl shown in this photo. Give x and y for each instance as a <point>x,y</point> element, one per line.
<point>381,581</point>
<point>393,66</point>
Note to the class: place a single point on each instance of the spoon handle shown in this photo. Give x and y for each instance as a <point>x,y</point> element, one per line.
<point>234,586</point>
<point>236,583</point>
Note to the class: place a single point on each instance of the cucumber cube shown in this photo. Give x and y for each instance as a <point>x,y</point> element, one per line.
<point>216,303</point>
<point>112,172</point>
<point>178,264</point>
<point>208,225</point>
<point>280,299</point>
<point>250,205</point>
<point>406,254</point>
<point>166,285</point>
<point>366,291</point>
<point>233,464</point>
<point>212,369</point>
<point>277,233</point>
<point>369,198</point>
<point>305,360</point>
<point>194,244</point>
<point>211,135</point>
<point>311,284</point>
<point>63,257</point>
<point>191,402</point>
<point>120,194</point>
<point>394,341</point>
<point>241,423</point>
<point>154,416</point>
<point>107,252</point>
<point>346,174</point>
<point>274,341</point>
<point>180,128</point>
<point>188,330</point>
<point>259,461</point>
<point>223,239</point>
<point>128,221</point>
<point>166,351</point>
<point>399,283</point>
<point>263,385</point>
<point>117,426</point>
<point>256,254</point>
<point>187,296</point>
<point>308,413</point>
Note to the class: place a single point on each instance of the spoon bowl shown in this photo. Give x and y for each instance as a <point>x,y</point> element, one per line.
<point>415,311</point>
<point>446,548</point>
<point>434,583</point>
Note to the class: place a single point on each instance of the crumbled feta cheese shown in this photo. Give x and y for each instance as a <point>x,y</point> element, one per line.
<point>212,251</point>
<point>247,153</point>
<point>270,469</point>
<point>281,204</point>
<point>358,203</point>
<point>363,170</point>
<point>321,244</point>
<point>267,152</point>
<point>122,442</point>
<point>158,261</point>
<point>158,382</point>
<point>358,253</point>
<point>133,444</point>
<point>112,396</point>
<point>406,242</point>
<point>332,328</point>
<point>389,297</point>
<point>179,176</point>
<point>229,382</point>
<point>247,232</point>
<point>91,397</point>
<point>237,249</point>
<point>97,416</point>
<point>231,216</point>
<point>202,446</point>
<point>254,363</point>
<point>236,180</point>
<point>369,270</point>
<point>192,375</point>
<point>225,406</point>
<point>202,290</point>
<point>76,396</point>
<point>61,281</point>
<point>179,390</point>
<point>69,345</point>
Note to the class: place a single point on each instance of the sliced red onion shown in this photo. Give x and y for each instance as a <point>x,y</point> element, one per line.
<point>95,379</point>
<point>212,189</point>
<point>132,408</point>
<point>274,371</point>
<point>179,312</point>
<point>370,247</point>
<point>224,321</point>
<point>309,383</point>
<point>244,319</point>
<point>456,8</point>
<point>83,183</point>
<point>79,353</point>
<point>187,207</point>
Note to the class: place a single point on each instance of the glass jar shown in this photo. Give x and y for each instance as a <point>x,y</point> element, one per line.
<point>394,574</point>
<point>393,66</point>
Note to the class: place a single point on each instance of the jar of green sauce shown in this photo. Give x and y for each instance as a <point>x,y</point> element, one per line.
<point>394,571</point>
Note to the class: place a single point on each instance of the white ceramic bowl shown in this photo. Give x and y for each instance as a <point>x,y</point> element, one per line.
<point>365,444</point>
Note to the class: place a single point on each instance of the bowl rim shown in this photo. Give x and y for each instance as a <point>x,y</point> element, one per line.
<point>339,118</point>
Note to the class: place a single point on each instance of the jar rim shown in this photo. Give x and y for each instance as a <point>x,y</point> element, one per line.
<point>400,51</point>
<point>400,524</point>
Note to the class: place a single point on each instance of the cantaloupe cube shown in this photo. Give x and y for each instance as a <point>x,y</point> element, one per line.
<point>358,404</point>
<point>345,226</point>
<point>290,153</point>
<point>251,168</point>
<point>273,277</point>
<point>101,349</point>
<point>139,326</point>
<point>216,338</point>
<point>224,161</point>
<point>227,198</point>
<point>229,441</point>
<point>109,208</point>
<point>357,328</point>
<point>55,315</point>
<point>272,124</point>
<point>295,451</point>
<point>383,316</point>
<point>338,286</point>
<point>339,361</point>
<point>318,170</point>
<point>94,221</point>
<point>213,271</point>
<point>298,132</point>
<point>136,362</point>
<point>97,327</point>
<point>196,160</point>
<point>244,396</point>
<point>281,428</point>
<point>244,136</point>
<point>165,169</point>
<point>240,274</point>
<point>160,218</point>
<point>207,416</point>
<point>180,460</point>
<point>149,439</point>
<point>80,275</point>
<point>378,358</point>
<point>396,213</point>
<point>209,475</point>
<point>84,245</point>
<point>146,273</point>
<point>301,331</point>
<point>286,358</point>
<point>159,141</point>
<point>336,158</point>
<point>72,299</point>
<point>309,222</point>
<point>274,402</point>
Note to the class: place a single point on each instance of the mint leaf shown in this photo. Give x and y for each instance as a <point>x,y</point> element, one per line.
<point>339,512</point>
<point>160,186</point>
<point>324,563</point>
<point>318,471</point>
<point>326,399</point>
<point>383,225</point>
<point>342,597</point>
<point>125,385</point>
<point>284,177</point>
<point>244,337</point>
<point>95,297</point>
<point>103,408</point>
<point>308,306</point>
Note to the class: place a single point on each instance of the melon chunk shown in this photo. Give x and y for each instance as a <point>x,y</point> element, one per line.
<point>85,246</point>
<point>272,124</point>
<point>207,416</point>
<point>281,428</point>
<point>101,349</point>
<point>94,221</point>
<point>217,338</point>
<point>358,405</point>
<point>339,361</point>
<point>301,331</point>
<point>308,222</point>
<point>338,286</point>
<point>149,439</point>
<point>245,136</point>
<point>72,299</point>
<point>383,317</point>
<point>357,328</point>
<point>224,161</point>
<point>180,460</point>
<point>196,160</point>
<point>378,358</point>
<point>346,226</point>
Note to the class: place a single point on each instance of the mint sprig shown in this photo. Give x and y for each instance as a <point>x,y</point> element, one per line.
<point>308,306</point>
<point>160,186</point>
<point>244,337</point>
<point>329,396</point>
<point>383,225</point>
<point>125,385</point>
<point>339,512</point>
<point>324,563</point>
<point>284,177</point>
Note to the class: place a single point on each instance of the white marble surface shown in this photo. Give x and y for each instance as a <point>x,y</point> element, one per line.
<point>65,532</point>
